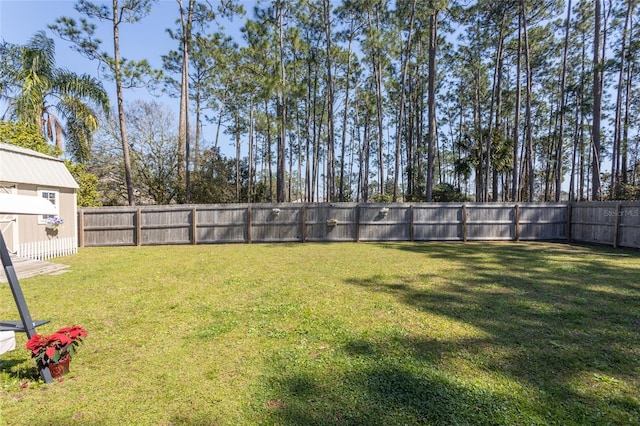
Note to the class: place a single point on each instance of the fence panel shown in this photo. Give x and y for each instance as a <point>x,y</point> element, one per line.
<point>385,222</point>
<point>629,225</point>
<point>611,223</point>
<point>166,226</point>
<point>539,222</point>
<point>331,222</point>
<point>593,223</point>
<point>221,223</point>
<point>490,221</point>
<point>108,226</point>
<point>438,222</point>
<point>276,223</point>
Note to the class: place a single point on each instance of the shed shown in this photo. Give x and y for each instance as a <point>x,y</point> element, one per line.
<point>30,173</point>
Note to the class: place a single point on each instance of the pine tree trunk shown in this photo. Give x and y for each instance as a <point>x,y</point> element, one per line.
<point>331,163</point>
<point>617,132</point>
<point>250,171</point>
<point>528,114</point>
<point>282,112</point>
<point>563,79</point>
<point>597,105</point>
<point>120,100</point>
<point>345,116</point>
<point>515,183</point>
<point>433,40</point>
<point>401,106</point>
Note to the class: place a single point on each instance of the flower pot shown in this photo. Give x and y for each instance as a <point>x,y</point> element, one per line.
<point>61,368</point>
<point>52,232</point>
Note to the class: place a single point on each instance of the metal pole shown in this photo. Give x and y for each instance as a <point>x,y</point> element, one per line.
<point>27,323</point>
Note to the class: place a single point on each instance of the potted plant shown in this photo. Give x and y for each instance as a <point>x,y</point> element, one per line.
<point>54,222</point>
<point>56,350</point>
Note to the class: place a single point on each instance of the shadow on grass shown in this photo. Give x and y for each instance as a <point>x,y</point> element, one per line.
<point>17,369</point>
<point>559,323</point>
<point>385,396</point>
<point>376,387</point>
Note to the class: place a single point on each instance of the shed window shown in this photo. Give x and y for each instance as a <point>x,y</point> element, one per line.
<point>53,196</point>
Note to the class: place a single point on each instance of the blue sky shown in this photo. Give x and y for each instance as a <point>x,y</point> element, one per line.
<point>147,39</point>
<point>20,19</point>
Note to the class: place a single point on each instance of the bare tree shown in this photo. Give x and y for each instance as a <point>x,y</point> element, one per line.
<point>124,73</point>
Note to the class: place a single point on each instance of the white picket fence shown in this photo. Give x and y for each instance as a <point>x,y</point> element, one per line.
<point>43,250</point>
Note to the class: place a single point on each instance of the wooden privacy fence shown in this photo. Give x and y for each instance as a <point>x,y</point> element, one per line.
<point>612,223</point>
<point>321,222</point>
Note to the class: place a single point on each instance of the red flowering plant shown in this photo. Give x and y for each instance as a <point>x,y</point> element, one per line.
<point>55,347</point>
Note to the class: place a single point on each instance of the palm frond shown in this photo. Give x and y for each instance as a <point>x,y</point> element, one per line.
<point>38,56</point>
<point>82,122</point>
<point>28,105</point>
<point>37,61</point>
<point>78,140</point>
<point>82,86</point>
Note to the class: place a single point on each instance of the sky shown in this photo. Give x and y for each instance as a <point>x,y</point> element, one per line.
<point>21,19</point>
<point>147,39</point>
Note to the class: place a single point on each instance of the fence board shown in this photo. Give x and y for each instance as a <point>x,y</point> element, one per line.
<point>44,250</point>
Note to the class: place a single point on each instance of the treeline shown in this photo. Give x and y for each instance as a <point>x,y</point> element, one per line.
<point>374,100</point>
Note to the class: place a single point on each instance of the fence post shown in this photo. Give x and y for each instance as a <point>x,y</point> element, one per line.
<point>357,223</point>
<point>138,229</point>
<point>616,225</point>
<point>569,213</point>
<point>516,224</point>
<point>303,222</point>
<point>81,228</point>
<point>194,226</point>
<point>464,223</point>
<point>411,224</point>
<point>248,223</point>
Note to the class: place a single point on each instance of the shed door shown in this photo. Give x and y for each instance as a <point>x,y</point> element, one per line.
<point>9,228</point>
<point>9,225</point>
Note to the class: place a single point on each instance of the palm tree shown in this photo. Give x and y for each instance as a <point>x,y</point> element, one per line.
<point>57,101</point>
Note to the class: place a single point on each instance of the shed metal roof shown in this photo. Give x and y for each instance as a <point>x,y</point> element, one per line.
<point>21,165</point>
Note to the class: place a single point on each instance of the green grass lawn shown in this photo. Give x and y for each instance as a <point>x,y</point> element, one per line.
<point>343,334</point>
